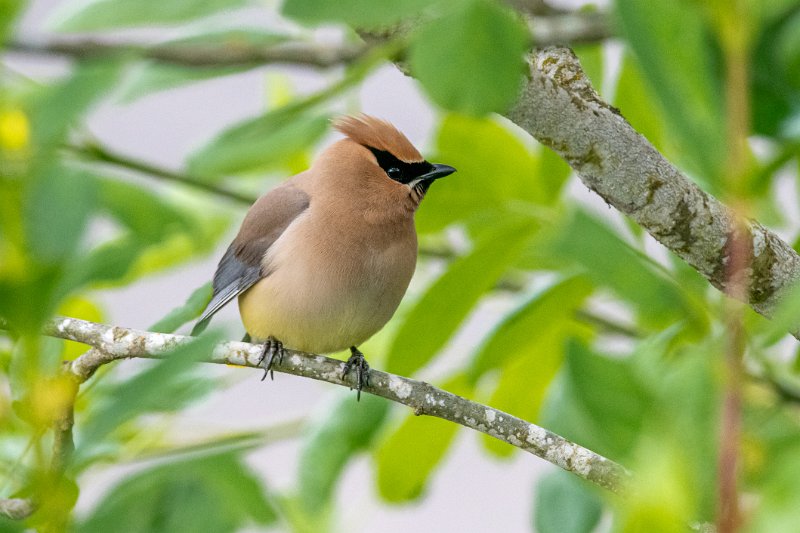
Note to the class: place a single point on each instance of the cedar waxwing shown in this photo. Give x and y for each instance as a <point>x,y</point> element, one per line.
<point>322,261</point>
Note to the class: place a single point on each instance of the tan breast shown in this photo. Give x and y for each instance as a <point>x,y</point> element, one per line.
<point>325,294</point>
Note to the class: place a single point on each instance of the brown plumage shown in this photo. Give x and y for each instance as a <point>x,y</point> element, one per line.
<point>321,262</point>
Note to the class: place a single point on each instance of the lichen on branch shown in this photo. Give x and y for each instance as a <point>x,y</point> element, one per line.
<point>560,109</point>
<point>111,343</point>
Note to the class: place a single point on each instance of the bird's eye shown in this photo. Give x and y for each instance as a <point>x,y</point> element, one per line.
<point>394,173</point>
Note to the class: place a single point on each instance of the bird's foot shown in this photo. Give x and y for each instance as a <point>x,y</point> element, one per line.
<point>359,363</point>
<point>273,348</point>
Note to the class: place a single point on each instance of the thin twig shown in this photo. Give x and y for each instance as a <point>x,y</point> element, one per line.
<point>97,153</point>
<point>63,443</point>
<point>112,343</point>
<point>607,325</point>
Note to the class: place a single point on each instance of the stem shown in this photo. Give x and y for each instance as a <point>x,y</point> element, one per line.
<point>735,43</point>
<point>98,153</point>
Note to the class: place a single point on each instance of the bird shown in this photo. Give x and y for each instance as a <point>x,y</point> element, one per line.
<point>322,261</point>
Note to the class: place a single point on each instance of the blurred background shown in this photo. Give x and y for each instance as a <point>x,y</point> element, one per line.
<point>133,137</point>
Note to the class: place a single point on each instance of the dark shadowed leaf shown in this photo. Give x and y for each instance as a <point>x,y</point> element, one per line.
<point>208,493</point>
<point>439,312</point>
<point>565,504</point>
<point>776,72</point>
<point>406,460</point>
<point>470,60</point>
<point>343,430</point>
<point>692,106</point>
<point>93,15</point>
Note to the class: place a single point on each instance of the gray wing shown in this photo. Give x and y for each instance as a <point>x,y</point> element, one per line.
<point>241,266</point>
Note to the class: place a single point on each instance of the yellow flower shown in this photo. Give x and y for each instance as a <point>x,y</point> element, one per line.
<point>14,130</point>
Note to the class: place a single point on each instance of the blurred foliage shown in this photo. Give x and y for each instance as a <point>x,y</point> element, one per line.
<point>594,335</point>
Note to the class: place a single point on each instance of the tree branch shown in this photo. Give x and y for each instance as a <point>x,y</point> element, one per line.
<point>569,28</point>
<point>202,55</point>
<point>112,343</point>
<point>559,107</point>
<point>16,508</point>
<point>556,27</point>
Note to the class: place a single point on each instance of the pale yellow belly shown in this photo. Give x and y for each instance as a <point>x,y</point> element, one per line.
<point>313,312</point>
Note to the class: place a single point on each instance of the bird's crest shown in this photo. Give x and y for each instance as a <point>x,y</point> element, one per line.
<point>378,134</point>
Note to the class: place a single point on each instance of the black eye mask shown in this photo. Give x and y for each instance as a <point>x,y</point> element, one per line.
<point>400,171</point>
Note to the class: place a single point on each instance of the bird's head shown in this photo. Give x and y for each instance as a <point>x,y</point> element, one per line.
<point>383,161</point>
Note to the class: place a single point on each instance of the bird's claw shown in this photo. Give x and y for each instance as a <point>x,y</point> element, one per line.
<point>273,348</point>
<point>359,363</point>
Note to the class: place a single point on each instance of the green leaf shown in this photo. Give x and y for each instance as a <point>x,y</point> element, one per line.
<point>181,315</point>
<point>473,145</point>
<point>565,504</point>
<point>785,317</point>
<point>62,103</point>
<point>93,15</point>
<point>775,65</point>
<point>151,76</point>
<point>402,476</point>
<point>519,334</point>
<point>591,59</point>
<point>57,207</point>
<point>609,261</point>
<point>12,526</point>
<point>470,60</point>
<point>260,143</point>
<point>682,76</point>
<point>344,429</point>
<point>356,13</point>
<point>437,315</point>
<point>106,263</point>
<point>150,216</point>
<point>166,385</point>
<point>9,9</point>
<point>208,493</point>
<point>529,346</point>
<point>637,103</point>
<point>599,403</point>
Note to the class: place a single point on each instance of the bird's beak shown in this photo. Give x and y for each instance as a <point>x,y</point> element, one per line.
<point>439,171</point>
